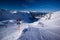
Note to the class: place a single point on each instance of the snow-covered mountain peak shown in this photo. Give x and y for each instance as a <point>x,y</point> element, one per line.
<point>46,28</point>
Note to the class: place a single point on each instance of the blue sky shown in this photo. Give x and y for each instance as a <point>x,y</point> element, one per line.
<point>36,5</point>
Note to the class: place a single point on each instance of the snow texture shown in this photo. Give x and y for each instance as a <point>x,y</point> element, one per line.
<point>46,28</point>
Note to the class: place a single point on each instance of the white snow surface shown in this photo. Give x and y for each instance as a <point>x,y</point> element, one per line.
<point>43,29</point>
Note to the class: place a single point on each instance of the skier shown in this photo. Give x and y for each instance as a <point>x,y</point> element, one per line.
<point>18,23</point>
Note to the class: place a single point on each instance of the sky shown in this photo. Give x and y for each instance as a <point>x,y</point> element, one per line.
<point>31,5</point>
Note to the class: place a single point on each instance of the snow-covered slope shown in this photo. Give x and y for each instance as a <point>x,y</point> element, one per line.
<point>54,20</point>
<point>44,29</point>
<point>38,34</point>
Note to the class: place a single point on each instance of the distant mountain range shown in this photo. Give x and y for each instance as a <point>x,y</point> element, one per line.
<point>23,15</point>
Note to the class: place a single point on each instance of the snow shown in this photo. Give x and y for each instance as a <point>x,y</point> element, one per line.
<point>13,12</point>
<point>38,34</point>
<point>43,29</point>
